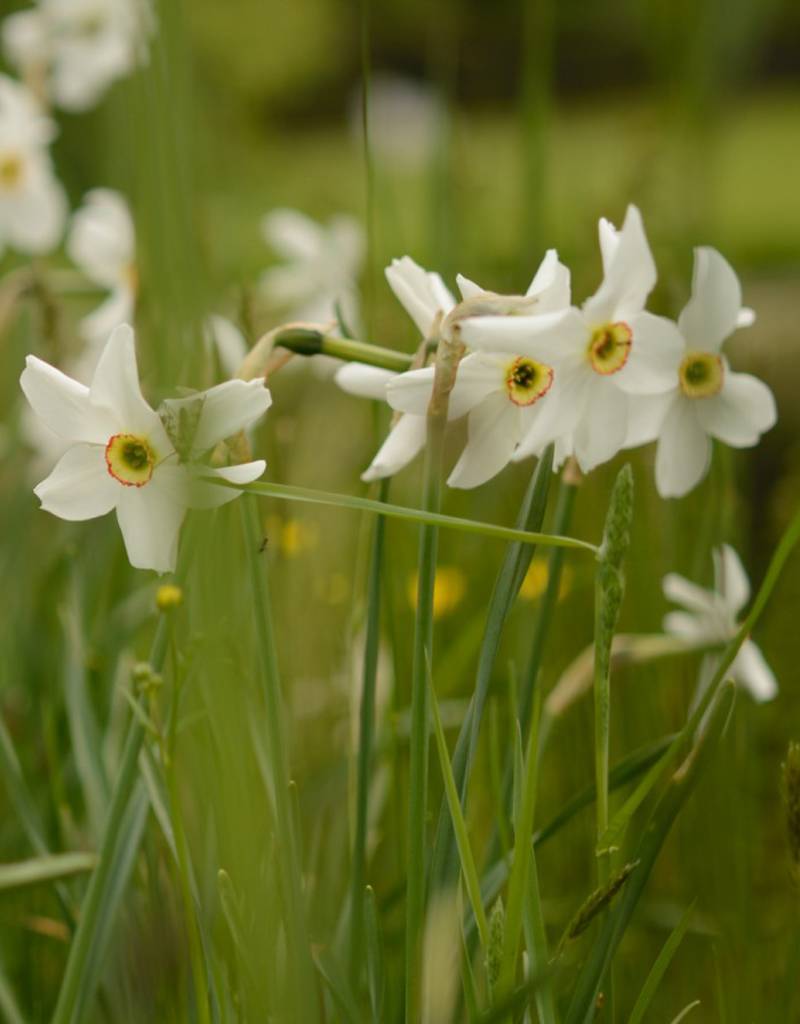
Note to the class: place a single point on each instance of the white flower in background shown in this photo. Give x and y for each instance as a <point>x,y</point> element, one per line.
<point>319,269</point>
<point>405,121</point>
<point>77,48</point>
<point>33,206</point>
<point>606,351</point>
<point>225,339</point>
<point>706,399</point>
<point>122,457</point>
<point>504,393</point>
<point>102,243</point>
<point>710,616</point>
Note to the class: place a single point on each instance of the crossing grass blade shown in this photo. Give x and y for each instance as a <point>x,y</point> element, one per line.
<point>49,868</point>
<point>663,960</point>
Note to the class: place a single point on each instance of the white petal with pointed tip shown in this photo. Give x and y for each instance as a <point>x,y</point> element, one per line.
<point>80,487</point>
<point>228,408</point>
<point>205,495</point>
<point>730,579</point>
<point>629,272</point>
<point>742,411</point>
<point>752,671</point>
<point>550,337</point>
<point>551,283</point>
<point>684,451</point>
<point>403,443</point>
<point>63,404</point>
<point>411,392</point>
<point>364,381</point>
<point>115,389</point>
<point>681,591</point>
<point>150,520</point>
<point>493,431</point>
<point>712,312</point>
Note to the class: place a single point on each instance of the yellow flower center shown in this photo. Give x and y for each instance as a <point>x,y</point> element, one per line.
<point>130,459</point>
<point>527,380</point>
<point>10,171</point>
<point>609,347</point>
<point>700,374</point>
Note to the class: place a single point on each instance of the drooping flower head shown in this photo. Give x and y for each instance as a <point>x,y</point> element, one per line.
<point>608,349</point>
<point>77,48</point>
<point>711,617</point>
<point>32,202</point>
<point>122,455</point>
<point>706,398</point>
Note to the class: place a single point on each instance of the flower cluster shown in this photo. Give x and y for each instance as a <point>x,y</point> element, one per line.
<point>591,380</point>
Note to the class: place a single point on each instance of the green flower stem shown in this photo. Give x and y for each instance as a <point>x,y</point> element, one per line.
<point>448,355</point>
<point>365,741</point>
<point>102,881</point>
<point>426,516</point>
<point>306,341</point>
<point>298,953</point>
<point>602,728</point>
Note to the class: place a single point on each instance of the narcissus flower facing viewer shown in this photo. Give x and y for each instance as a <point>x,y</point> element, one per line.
<point>609,349</point>
<point>32,202</point>
<point>124,456</point>
<point>504,393</point>
<point>710,616</point>
<point>706,398</point>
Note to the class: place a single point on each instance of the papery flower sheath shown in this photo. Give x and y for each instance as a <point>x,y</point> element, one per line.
<point>102,243</point>
<point>504,393</point>
<point>75,49</point>
<point>122,455</point>
<point>33,206</point>
<point>607,350</point>
<point>711,616</point>
<point>706,398</point>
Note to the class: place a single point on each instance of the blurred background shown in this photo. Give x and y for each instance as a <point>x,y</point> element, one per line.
<point>495,131</point>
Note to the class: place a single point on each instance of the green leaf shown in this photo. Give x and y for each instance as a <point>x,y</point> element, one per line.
<point>337,985</point>
<point>658,969</point>
<point>314,497</point>
<point>680,787</point>
<point>48,868</point>
<point>374,949</point>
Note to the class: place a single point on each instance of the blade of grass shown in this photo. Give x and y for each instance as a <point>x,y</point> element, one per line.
<point>374,950</point>
<point>365,741</point>
<point>9,1007</point>
<point>424,516</point>
<point>685,1012</point>
<point>467,861</point>
<point>515,564</point>
<point>657,971</point>
<point>682,783</point>
<point>48,868</point>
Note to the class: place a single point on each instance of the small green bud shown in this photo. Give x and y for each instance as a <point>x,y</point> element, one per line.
<point>617,533</point>
<point>494,954</point>
<point>144,678</point>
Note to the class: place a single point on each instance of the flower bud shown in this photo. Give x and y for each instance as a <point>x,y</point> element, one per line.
<point>168,596</point>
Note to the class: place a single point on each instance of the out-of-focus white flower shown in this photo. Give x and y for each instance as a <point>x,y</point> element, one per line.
<point>32,202</point>
<point>225,338</point>
<point>504,394</point>
<point>77,47</point>
<point>710,616</point>
<point>122,455</point>
<point>606,351</point>
<point>318,272</point>
<point>405,121</point>
<point>706,398</point>
<point>102,243</point>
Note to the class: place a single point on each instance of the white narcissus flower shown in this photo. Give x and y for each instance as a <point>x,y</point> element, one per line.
<point>504,393</point>
<point>706,398</point>
<point>33,206</point>
<point>606,351</point>
<point>319,269</point>
<point>426,299</point>
<point>710,616</point>
<point>122,457</point>
<point>102,243</point>
<point>77,47</point>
